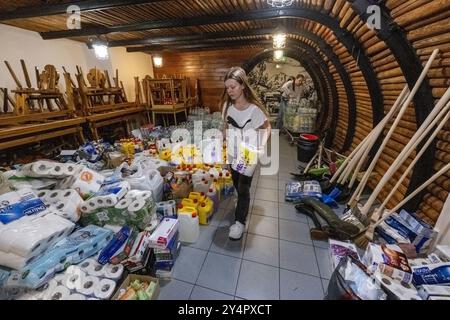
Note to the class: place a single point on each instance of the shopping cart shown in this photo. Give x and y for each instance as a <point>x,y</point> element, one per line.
<point>299,117</point>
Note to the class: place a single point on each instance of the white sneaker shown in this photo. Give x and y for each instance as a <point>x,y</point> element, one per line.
<point>236,231</point>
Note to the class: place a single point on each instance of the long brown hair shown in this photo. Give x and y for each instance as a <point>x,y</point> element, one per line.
<point>238,74</point>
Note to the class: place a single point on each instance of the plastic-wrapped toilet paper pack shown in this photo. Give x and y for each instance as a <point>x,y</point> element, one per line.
<point>50,169</point>
<point>107,196</point>
<point>104,289</point>
<point>147,179</point>
<point>28,238</point>
<point>17,204</point>
<point>87,182</point>
<point>80,245</point>
<point>91,267</point>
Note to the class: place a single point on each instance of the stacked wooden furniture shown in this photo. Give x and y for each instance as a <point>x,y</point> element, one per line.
<point>36,113</point>
<point>168,97</point>
<point>103,104</point>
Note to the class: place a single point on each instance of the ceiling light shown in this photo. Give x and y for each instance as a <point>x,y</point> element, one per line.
<point>279,41</point>
<point>278,55</point>
<point>280,3</point>
<point>157,61</point>
<point>100,48</point>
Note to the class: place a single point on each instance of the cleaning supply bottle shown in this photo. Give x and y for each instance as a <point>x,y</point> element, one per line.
<point>202,186</point>
<point>214,196</point>
<point>189,228</point>
<point>205,210</point>
<point>228,187</point>
<point>186,202</point>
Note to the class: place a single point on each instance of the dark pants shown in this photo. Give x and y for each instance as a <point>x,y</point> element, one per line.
<point>242,185</point>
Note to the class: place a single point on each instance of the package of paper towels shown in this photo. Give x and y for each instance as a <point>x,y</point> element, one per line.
<point>73,249</point>
<point>17,204</point>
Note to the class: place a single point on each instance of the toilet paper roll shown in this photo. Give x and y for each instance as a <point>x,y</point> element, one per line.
<point>43,193</point>
<point>132,194</point>
<point>104,289</point>
<point>88,285</point>
<point>59,293</point>
<point>68,210</point>
<point>138,206</point>
<point>74,279</point>
<point>57,169</point>
<point>53,196</point>
<point>145,195</point>
<point>76,296</point>
<point>86,263</point>
<point>113,272</point>
<point>70,169</point>
<point>105,201</point>
<point>96,270</point>
<point>92,299</point>
<point>124,203</point>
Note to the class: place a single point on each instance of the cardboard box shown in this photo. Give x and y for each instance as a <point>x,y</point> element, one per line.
<point>130,278</point>
<point>161,237</point>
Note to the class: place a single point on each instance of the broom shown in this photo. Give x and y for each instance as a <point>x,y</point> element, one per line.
<point>359,154</point>
<point>362,240</point>
<point>401,158</point>
<point>376,215</point>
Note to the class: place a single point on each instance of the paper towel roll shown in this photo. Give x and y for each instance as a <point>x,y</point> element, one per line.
<point>88,285</point>
<point>104,289</point>
<point>113,272</point>
<point>76,296</point>
<point>137,205</point>
<point>59,293</point>
<point>124,203</point>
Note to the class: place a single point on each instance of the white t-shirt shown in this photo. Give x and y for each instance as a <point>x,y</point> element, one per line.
<point>249,121</point>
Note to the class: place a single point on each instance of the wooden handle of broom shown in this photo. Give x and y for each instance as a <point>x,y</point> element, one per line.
<point>409,148</point>
<point>413,194</point>
<point>422,150</point>
<point>401,158</point>
<point>344,166</point>
<point>357,194</point>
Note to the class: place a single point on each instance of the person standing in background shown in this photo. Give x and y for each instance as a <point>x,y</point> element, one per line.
<point>292,89</point>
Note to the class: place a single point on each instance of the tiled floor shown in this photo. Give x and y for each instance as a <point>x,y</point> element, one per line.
<point>275,259</point>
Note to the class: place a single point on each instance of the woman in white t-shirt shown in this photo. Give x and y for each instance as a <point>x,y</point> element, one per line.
<point>244,115</point>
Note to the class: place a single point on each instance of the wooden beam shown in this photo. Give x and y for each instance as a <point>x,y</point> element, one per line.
<point>191,37</point>
<point>200,45</point>
<point>61,8</point>
<point>180,22</point>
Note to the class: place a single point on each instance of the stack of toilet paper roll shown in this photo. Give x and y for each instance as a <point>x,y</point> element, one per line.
<point>78,246</point>
<point>139,206</point>
<point>108,196</point>
<point>65,203</point>
<point>50,169</point>
<point>23,241</point>
<point>88,280</point>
